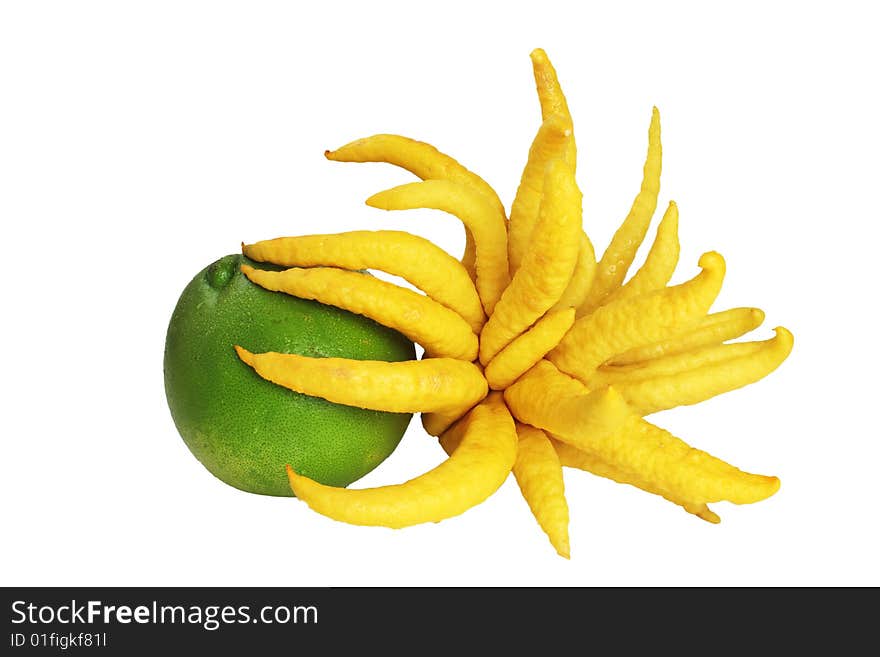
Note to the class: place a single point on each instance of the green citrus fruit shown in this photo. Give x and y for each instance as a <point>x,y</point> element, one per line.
<point>243,428</point>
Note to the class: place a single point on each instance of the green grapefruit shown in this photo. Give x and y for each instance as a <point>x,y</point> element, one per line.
<point>243,428</point>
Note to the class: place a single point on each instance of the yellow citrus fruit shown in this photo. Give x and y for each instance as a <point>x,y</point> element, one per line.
<point>244,429</point>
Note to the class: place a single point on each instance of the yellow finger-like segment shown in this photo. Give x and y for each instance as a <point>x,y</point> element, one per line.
<point>435,424</point>
<point>441,331</point>
<point>655,455</point>
<point>412,386</point>
<point>710,330</point>
<point>548,399</point>
<point>630,323</point>
<point>660,263</point>
<point>483,220</point>
<point>696,385</point>
<point>581,279</point>
<point>572,457</point>
<point>622,250</point>
<point>422,160</point>
<point>539,475</point>
<point>547,267</point>
<point>530,347</point>
<point>553,101</point>
<point>617,375</point>
<point>469,257</point>
<point>413,258</point>
<point>601,423</point>
<point>550,96</point>
<point>417,157</point>
<point>475,470</point>
<point>703,512</point>
<point>549,144</point>
<point>451,437</point>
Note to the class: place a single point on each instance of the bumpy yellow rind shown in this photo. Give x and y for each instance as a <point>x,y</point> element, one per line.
<point>410,386</point>
<point>747,364</point>
<point>474,471</point>
<point>620,253</point>
<point>539,475</point>
<point>413,258</point>
<point>483,220</point>
<point>630,323</point>
<point>660,263</point>
<point>546,398</point>
<point>549,144</point>
<point>441,331</point>
<point>527,349</point>
<point>572,457</point>
<point>710,330</point>
<point>547,267</point>
<point>422,160</point>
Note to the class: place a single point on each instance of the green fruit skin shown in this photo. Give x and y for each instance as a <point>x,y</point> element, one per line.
<point>245,429</point>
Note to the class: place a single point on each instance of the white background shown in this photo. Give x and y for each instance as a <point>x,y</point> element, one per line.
<point>141,141</point>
